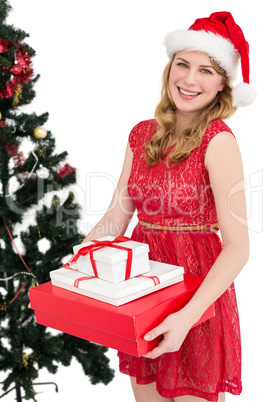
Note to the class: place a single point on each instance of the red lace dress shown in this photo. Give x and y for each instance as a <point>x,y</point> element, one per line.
<point>209,360</point>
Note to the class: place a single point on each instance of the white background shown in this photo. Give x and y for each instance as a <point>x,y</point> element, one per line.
<point>101,64</point>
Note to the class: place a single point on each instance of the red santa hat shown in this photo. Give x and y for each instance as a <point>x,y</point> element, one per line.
<point>223,40</point>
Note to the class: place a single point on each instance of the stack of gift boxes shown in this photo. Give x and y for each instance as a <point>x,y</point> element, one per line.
<point>112,294</point>
<point>118,270</point>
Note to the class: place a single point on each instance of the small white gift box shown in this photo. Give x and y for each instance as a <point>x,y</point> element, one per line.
<point>161,275</point>
<point>111,262</point>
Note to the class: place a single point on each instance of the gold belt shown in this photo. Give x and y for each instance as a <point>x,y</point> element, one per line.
<point>211,227</point>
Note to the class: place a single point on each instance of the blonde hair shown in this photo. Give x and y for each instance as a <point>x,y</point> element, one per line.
<point>165,113</point>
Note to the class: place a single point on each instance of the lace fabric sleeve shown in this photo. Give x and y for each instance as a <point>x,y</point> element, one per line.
<point>214,128</point>
<point>141,133</point>
<point>132,139</point>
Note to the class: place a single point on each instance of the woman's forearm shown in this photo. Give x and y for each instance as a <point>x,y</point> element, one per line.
<point>221,275</point>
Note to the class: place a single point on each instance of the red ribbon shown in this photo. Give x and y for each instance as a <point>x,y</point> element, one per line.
<point>106,243</point>
<point>155,279</point>
<point>77,281</point>
<point>67,266</point>
<point>84,278</point>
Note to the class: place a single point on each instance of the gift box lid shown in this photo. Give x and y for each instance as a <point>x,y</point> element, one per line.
<point>113,255</point>
<point>162,272</point>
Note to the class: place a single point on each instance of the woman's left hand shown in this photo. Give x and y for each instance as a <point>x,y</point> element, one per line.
<point>174,330</point>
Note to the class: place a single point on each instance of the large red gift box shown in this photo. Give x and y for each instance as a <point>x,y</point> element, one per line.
<point>118,327</point>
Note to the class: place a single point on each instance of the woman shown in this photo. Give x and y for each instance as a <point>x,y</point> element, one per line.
<point>179,172</point>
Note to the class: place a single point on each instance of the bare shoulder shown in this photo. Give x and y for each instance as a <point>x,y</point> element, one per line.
<point>222,148</point>
<point>225,169</point>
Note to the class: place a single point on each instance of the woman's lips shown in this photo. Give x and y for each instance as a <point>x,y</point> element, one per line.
<point>187,93</point>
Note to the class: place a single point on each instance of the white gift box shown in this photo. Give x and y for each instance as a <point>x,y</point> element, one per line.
<point>163,275</point>
<point>111,262</point>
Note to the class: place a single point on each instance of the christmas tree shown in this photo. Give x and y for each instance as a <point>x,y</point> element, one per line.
<point>37,227</point>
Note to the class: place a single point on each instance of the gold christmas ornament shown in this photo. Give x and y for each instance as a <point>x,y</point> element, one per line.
<point>40,132</point>
<point>25,360</point>
<point>28,361</point>
<point>42,152</point>
<point>54,201</point>
<point>0,116</point>
<point>17,96</point>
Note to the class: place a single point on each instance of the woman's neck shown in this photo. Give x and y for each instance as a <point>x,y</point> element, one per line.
<point>184,120</point>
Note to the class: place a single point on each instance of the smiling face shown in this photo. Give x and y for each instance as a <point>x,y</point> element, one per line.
<point>193,82</point>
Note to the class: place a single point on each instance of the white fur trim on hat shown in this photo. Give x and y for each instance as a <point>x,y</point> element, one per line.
<point>243,94</point>
<point>217,47</point>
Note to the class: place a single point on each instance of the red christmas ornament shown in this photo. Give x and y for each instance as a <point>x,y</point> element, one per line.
<point>4,45</point>
<point>12,149</point>
<point>65,171</point>
<point>21,71</point>
<point>16,69</point>
<point>14,152</point>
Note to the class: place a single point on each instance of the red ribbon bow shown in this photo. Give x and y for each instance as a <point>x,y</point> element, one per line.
<point>106,243</point>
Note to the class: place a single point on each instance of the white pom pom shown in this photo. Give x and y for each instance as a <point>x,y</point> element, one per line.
<point>243,95</point>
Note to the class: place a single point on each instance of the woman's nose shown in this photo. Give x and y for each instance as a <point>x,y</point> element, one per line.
<point>190,77</point>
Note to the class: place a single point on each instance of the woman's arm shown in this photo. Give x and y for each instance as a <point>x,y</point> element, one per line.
<point>121,209</point>
<point>224,165</point>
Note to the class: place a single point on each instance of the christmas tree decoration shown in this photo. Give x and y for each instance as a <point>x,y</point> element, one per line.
<point>41,152</point>
<point>21,67</point>
<point>17,96</point>
<point>65,171</point>
<point>18,158</point>
<point>26,181</point>
<point>16,69</point>
<point>42,172</point>
<point>40,133</point>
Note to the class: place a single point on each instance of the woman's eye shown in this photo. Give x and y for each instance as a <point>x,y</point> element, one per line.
<point>205,71</point>
<point>182,65</point>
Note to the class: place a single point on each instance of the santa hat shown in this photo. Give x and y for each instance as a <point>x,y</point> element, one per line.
<point>223,40</point>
